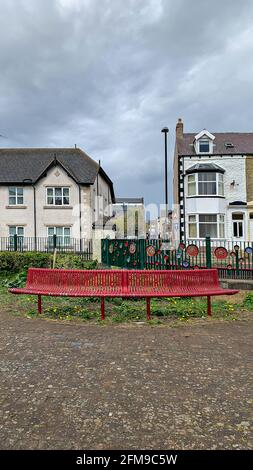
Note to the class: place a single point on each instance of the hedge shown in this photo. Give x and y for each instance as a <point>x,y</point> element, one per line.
<point>16,262</point>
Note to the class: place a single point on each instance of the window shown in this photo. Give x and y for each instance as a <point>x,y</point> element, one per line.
<point>237,220</point>
<point>206,184</point>
<point>62,235</point>
<point>220,184</point>
<point>201,225</point>
<point>192,226</point>
<point>208,225</point>
<point>191,185</point>
<point>204,146</point>
<point>16,243</point>
<point>58,196</point>
<point>14,230</point>
<point>221,226</point>
<point>16,197</point>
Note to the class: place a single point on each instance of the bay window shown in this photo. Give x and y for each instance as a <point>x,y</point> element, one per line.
<point>201,225</point>
<point>206,184</point>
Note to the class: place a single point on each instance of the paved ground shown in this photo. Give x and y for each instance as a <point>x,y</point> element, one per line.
<point>124,386</point>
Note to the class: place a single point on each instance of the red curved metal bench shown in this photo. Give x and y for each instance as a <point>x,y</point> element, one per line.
<point>122,283</point>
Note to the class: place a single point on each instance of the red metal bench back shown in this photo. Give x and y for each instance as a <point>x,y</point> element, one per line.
<point>97,279</point>
<point>173,279</point>
<point>118,279</point>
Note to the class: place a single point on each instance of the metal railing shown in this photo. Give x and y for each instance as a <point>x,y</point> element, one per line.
<point>234,260</point>
<point>18,243</point>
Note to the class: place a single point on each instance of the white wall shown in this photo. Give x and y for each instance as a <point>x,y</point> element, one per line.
<point>235,170</point>
<point>16,215</point>
<point>53,216</point>
<point>47,215</point>
<point>101,189</point>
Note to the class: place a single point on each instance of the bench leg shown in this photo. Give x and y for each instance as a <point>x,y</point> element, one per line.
<point>209,310</point>
<point>102,308</point>
<point>39,305</point>
<point>148,308</point>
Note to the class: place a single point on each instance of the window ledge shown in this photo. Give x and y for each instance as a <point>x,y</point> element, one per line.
<point>57,207</point>
<point>209,197</point>
<point>17,206</point>
<point>204,153</point>
<point>192,239</point>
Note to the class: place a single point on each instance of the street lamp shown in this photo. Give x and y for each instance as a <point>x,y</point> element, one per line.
<point>165,131</point>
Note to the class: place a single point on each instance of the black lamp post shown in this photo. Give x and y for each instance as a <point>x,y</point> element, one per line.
<point>165,131</point>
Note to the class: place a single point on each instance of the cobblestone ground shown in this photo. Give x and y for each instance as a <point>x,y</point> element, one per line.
<point>83,386</point>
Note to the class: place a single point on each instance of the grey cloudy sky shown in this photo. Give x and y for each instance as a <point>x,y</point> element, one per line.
<point>108,74</point>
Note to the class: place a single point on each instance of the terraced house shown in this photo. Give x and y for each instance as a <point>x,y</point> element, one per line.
<point>46,192</point>
<point>213,184</point>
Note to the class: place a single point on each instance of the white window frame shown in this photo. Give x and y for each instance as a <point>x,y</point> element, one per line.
<point>238,222</point>
<point>17,228</point>
<point>205,140</point>
<point>218,183</point>
<point>53,189</point>
<point>16,196</point>
<point>204,136</point>
<point>220,225</point>
<point>63,240</point>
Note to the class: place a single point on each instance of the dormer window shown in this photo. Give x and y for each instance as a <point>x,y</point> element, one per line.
<point>204,146</point>
<point>204,142</point>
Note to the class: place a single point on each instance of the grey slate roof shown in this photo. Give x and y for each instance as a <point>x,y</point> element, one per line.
<point>205,167</point>
<point>242,141</point>
<point>17,165</point>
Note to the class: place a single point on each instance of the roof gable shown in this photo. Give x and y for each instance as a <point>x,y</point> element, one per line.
<point>17,165</point>
<point>54,163</point>
<point>204,133</point>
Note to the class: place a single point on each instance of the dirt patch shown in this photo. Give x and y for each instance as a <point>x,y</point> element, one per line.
<point>80,385</point>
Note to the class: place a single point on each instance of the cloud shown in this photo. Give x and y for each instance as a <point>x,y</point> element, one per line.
<point>109,75</point>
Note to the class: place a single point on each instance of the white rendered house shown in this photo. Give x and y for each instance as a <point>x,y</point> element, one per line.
<point>46,192</point>
<point>213,184</point>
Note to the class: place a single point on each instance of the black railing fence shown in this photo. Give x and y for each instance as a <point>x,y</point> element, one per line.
<point>82,247</point>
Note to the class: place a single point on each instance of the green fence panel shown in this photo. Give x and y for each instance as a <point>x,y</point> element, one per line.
<point>233,260</point>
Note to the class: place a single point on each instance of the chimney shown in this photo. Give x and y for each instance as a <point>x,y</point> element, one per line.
<point>179,129</point>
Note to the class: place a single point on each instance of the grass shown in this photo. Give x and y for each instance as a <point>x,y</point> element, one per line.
<point>171,311</point>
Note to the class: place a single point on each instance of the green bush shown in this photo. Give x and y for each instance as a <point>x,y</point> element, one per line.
<point>71,261</point>
<point>16,262</point>
<point>17,281</point>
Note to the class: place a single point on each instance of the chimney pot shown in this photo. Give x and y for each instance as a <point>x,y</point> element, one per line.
<point>179,129</point>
